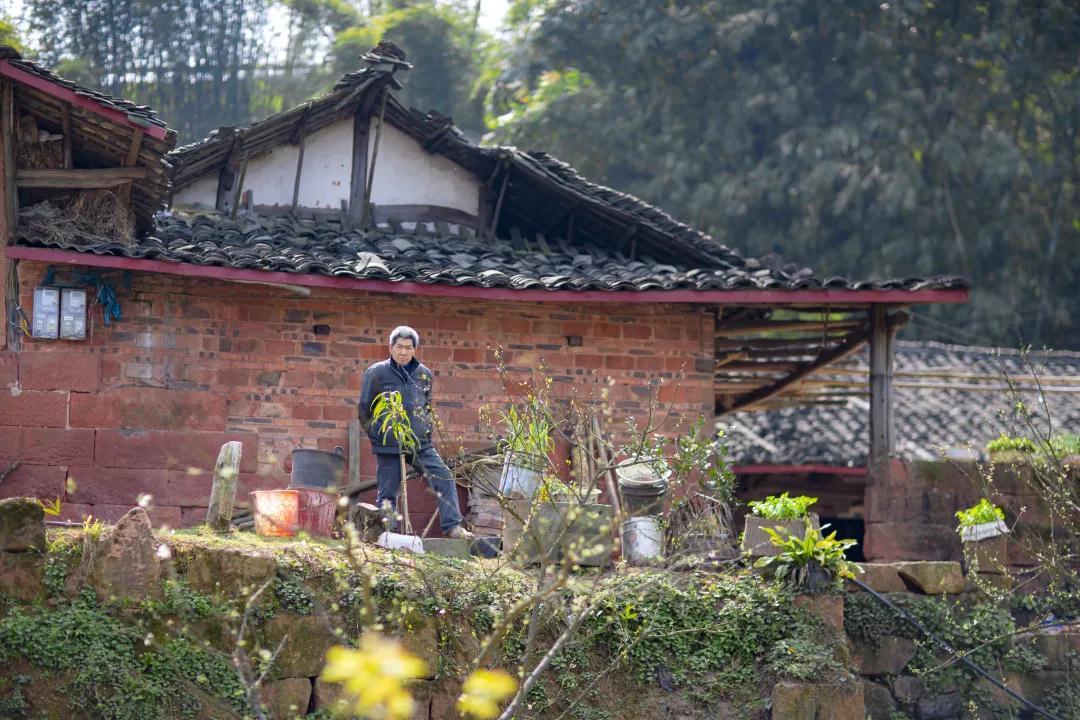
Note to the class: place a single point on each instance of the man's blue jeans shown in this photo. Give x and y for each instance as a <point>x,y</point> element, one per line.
<point>428,462</point>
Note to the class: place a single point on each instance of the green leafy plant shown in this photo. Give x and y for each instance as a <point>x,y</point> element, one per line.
<point>782,507</point>
<point>50,508</point>
<point>391,417</point>
<point>1006,443</point>
<point>528,430</point>
<point>812,562</point>
<point>979,514</point>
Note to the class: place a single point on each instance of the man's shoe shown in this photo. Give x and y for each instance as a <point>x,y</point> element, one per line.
<point>458,532</point>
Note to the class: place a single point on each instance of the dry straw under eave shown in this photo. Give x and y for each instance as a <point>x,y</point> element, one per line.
<point>39,155</point>
<point>89,216</point>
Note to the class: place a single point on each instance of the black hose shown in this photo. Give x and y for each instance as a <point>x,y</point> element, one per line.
<point>952,651</point>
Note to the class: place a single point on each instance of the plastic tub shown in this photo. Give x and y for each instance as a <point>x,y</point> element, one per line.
<point>317,511</point>
<point>397,541</point>
<point>277,512</point>
<point>520,478</point>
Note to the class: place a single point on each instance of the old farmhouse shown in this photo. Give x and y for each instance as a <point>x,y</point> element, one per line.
<point>236,288</point>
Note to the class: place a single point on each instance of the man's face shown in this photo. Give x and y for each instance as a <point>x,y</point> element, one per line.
<point>402,351</point>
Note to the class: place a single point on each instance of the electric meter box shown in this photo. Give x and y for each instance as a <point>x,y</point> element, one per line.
<point>46,313</point>
<point>72,314</point>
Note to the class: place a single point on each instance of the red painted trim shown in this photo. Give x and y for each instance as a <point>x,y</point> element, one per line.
<point>743,297</point>
<point>59,91</point>
<point>798,470</point>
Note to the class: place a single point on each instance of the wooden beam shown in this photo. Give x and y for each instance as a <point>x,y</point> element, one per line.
<point>881,435</point>
<point>364,219</point>
<point>429,213</point>
<point>499,202</point>
<point>747,327</point>
<point>358,178</point>
<point>65,129</point>
<point>850,346</point>
<point>229,170</point>
<point>239,186</point>
<point>299,170</point>
<point>78,178</point>
<point>132,157</point>
<point>7,136</point>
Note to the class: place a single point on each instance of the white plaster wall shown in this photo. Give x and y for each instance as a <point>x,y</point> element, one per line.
<point>201,193</point>
<point>405,174</point>
<point>324,179</point>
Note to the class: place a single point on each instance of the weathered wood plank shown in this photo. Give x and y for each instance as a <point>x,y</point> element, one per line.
<point>78,178</point>
<point>223,491</point>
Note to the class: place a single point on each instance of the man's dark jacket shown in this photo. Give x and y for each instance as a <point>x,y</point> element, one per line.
<point>413,381</point>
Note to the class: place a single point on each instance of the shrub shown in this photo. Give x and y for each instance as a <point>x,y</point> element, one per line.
<point>782,507</point>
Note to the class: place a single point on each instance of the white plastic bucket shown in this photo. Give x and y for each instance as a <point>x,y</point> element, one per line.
<point>641,539</point>
<point>518,479</point>
<point>398,541</point>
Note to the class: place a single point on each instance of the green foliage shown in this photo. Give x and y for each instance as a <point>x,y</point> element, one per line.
<point>1005,443</point>
<point>782,507</point>
<point>180,600</point>
<point>865,139</point>
<point>527,431</point>
<point>979,514</point>
<point>108,664</point>
<point>389,413</point>
<point>801,559</point>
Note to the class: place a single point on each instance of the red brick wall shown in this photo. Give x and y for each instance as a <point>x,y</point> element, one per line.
<point>144,405</point>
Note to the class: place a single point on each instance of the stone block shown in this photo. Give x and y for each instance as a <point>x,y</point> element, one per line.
<point>22,525</point>
<point>888,657</point>
<point>332,697</point>
<point>933,578</point>
<point>287,698</point>
<point>77,371</point>
<point>1055,648</point>
<point>908,689</point>
<point>32,408</point>
<point>879,701</point>
<point>881,577</point>
<point>234,572</point>
<point>829,609</point>
<point>447,546</point>
<point>115,486</point>
<point>56,446</point>
<point>939,706</point>
<point>149,409</point>
<point>421,638</point>
<point>125,562</point>
<point>807,701</point>
<point>886,541</point>
<point>22,575</point>
<point>40,481</point>
<point>307,638</point>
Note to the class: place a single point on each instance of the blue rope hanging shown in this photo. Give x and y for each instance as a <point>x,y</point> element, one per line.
<point>103,291</point>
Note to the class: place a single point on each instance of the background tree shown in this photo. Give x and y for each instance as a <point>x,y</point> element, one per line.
<point>864,138</point>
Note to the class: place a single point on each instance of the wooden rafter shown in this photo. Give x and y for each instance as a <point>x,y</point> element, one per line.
<point>852,344</point>
<point>78,178</point>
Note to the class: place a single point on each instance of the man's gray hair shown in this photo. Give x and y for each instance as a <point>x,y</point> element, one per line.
<point>404,331</point>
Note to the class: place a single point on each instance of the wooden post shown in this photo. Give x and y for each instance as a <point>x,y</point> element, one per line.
<point>65,128</point>
<point>882,443</point>
<point>354,455</point>
<point>365,209</point>
<point>223,491</point>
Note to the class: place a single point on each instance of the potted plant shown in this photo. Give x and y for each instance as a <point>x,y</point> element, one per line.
<point>526,448</point>
<point>558,522</point>
<point>814,567</point>
<point>1006,449</point>
<point>983,531</point>
<point>780,512</point>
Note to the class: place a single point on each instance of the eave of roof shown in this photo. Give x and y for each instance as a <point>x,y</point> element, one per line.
<point>708,297</point>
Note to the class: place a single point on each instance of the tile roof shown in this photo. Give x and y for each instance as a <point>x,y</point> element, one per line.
<point>946,396</point>
<point>138,114</point>
<point>456,256</point>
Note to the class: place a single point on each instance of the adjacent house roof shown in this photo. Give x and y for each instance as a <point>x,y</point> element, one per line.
<point>946,398</point>
<point>106,131</point>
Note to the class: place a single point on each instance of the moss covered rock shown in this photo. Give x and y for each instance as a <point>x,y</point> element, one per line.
<point>307,638</point>
<point>22,525</point>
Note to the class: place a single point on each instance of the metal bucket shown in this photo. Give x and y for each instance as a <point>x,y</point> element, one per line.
<point>318,468</point>
<point>641,539</point>
<point>642,490</point>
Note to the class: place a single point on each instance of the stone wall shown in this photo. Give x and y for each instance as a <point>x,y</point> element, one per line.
<point>144,404</point>
<point>911,505</point>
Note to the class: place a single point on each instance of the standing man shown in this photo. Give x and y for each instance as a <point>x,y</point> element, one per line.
<point>403,373</point>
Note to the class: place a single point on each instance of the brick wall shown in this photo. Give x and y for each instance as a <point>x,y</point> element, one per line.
<point>143,405</point>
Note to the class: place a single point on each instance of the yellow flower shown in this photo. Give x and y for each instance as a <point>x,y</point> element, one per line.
<point>483,691</point>
<point>375,675</point>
